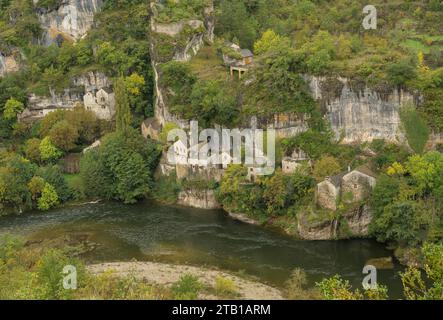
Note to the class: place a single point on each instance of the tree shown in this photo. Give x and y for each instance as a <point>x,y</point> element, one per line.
<point>63,135</point>
<point>32,149</point>
<point>53,175</point>
<point>135,84</point>
<point>325,167</point>
<point>49,152</point>
<point>85,122</point>
<point>122,167</point>
<point>276,192</point>
<point>15,172</point>
<point>50,120</point>
<point>48,198</point>
<point>123,111</point>
<point>36,186</point>
<point>234,21</point>
<point>399,73</point>
<point>12,109</point>
<point>211,103</point>
<point>270,41</point>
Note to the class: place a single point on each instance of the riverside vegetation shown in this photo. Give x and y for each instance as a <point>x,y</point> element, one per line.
<point>289,39</point>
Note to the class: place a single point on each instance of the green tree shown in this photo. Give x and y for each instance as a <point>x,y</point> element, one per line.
<point>123,111</point>
<point>32,149</point>
<point>327,166</point>
<point>54,176</point>
<point>49,152</point>
<point>270,41</point>
<point>48,198</point>
<point>36,186</point>
<point>122,168</point>
<point>63,135</point>
<point>15,172</point>
<point>12,109</point>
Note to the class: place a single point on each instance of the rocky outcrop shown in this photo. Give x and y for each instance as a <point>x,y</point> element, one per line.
<point>353,224</point>
<point>71,20</point>
<point>178,41</point>
<point>203,199</point>
<point>92,80</point>
<point>8,63</point>
<point>82,88</point>
<point>358,113</point>
<point>40,106</point>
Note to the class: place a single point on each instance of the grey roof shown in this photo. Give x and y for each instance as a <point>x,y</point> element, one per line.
<point>365,169</point>
<point>336,180</point>
<point>153,123</point>
<point>246,53</point>
<point>107,89</point>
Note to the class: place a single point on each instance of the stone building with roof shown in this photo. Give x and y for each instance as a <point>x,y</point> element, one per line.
<point>237,59</point>
<point>349,187</point>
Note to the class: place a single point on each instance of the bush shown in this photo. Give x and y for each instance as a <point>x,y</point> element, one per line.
<point>187,288</point>
<point>48,198</point>
<point>225,288</point>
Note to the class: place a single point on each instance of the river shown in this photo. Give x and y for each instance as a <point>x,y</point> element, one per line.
<point>152,232</point>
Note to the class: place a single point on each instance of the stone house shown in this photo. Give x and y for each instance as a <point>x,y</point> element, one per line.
<point>237,59</point>
<point>349,187</point>
<point>151,129</point>
<point>328,192</point>
<point>357,185</point>
<point>291,164</point>
<point>101,102</point>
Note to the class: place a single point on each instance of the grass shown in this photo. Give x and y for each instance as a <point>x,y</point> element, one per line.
<point>208,66</point>
<point>423,43</point>
<point>72,179</point>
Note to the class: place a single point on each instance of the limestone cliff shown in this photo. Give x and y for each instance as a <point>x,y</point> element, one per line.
<point>176,41</point>
<point>9,63</point>
<point>358,113</point>
<point>82,86</point>
<point>202,199</point>
<point>71,20</point>
<point>353,224</point>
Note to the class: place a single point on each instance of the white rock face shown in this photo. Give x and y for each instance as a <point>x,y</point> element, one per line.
<point>362,115</point>
<point>202,199</point>
<point>8,64</point>
<point>72,20</point>
<point>204,32</point>
<point>92,89</point>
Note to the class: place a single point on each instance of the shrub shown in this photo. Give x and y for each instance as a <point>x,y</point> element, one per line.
<point>48,199</point>
<point>225,288</point>
<point>187,288</point>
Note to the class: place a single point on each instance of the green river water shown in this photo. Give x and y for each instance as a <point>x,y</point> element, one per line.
<point>153,232</point>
